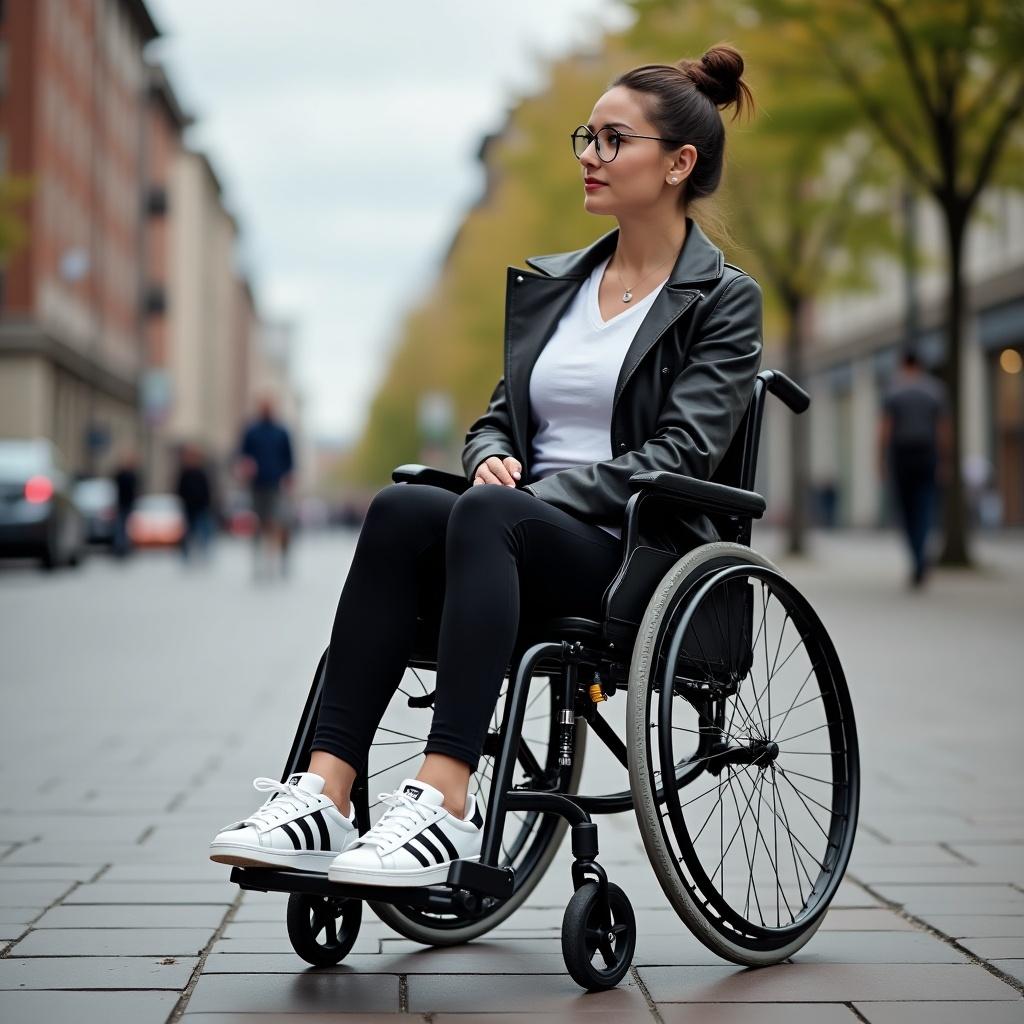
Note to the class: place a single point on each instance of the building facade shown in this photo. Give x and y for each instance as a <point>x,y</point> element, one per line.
<point>857,339</point>
<point>71,115</point>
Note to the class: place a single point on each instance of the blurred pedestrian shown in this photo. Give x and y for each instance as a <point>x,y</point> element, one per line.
<point>193,488</point>
<point>914,447</point>
<point>266,462</point>
<point>126,480</point>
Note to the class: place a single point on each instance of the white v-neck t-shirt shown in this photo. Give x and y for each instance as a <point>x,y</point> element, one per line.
<point>573,381</point>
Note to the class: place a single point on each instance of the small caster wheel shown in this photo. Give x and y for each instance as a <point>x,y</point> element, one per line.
<point>587,932</point>
<point>323,929</point>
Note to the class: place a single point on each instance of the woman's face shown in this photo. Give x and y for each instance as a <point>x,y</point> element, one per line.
<point>638,178</point>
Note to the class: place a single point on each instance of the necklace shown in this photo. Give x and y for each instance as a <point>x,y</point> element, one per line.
<point>628,293</point>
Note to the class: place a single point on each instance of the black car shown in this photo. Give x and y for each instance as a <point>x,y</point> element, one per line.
<point>38,517</point>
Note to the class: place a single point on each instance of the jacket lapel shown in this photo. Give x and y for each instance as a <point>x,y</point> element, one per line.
<point>536,302</point>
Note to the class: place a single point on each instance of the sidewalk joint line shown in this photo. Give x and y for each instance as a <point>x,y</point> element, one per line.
<point>6,951</point>
<point>978,961</point>
<point>186,994</point>
<point>655,1013</point>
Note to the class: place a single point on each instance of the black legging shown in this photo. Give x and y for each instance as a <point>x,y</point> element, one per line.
<point>477,558</point>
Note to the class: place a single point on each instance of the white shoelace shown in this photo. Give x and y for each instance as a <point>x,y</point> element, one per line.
<point>289,800</point>
<point>402,813</point>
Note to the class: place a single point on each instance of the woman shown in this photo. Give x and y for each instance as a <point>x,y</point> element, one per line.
<point>636,353</point>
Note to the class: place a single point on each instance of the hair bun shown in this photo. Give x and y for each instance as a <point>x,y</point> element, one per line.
<point>717,74</point>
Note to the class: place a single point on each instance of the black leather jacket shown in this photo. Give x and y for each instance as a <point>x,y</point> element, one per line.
<point>683,388</point>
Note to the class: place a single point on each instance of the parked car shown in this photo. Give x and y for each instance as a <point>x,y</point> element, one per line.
<point>96,498</point>
<point>157,520</point>
<point>38,517</point>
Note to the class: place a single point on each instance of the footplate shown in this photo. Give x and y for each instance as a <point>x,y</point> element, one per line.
<point>482,878</point>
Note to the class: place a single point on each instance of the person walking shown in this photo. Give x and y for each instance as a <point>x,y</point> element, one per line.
<point>126,483</point>
<point>638,352</point>
<point>914,445</point>
<point>267,464</point>
<point>193,488</point>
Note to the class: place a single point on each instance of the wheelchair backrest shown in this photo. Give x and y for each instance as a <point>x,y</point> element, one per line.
<point>738,467</point>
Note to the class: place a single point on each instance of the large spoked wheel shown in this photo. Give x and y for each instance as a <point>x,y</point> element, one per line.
<point>530,839</point>
<point>736,691</point>
<point>323,929</point>
<point>598,936</point>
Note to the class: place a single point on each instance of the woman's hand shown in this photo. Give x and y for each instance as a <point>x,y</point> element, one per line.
<point>496,470</point>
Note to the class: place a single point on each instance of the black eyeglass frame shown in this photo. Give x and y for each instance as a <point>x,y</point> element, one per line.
<point>593,137</point>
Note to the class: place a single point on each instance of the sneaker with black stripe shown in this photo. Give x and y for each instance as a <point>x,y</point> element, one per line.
<point>297,827</point>
<point>413,843</point>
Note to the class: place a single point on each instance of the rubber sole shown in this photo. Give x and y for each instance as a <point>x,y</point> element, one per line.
<point>246,857</point>
<point>419,876</point>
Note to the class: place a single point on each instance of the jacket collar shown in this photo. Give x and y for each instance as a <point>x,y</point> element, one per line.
<point>699,259</point>
<point>540,301</point>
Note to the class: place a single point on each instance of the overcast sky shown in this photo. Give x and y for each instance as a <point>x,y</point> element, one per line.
<point>345,135</point>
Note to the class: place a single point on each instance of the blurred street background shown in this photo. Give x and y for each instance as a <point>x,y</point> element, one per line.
<point>253,256</point>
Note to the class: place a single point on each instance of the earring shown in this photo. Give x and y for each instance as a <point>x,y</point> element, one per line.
<point>672,180</point>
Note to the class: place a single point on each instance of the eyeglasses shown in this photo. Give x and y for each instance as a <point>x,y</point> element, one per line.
<point>607,140</point>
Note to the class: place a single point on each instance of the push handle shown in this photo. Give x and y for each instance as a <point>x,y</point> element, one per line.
<point>788,390</point>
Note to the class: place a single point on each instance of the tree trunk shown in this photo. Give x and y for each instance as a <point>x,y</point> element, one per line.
<point>955,547</point>
<point>798,440</point>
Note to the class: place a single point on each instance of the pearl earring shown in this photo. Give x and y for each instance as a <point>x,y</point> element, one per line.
<point>673,180</point>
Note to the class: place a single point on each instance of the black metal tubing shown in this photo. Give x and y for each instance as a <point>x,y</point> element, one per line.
<point>511,730</point>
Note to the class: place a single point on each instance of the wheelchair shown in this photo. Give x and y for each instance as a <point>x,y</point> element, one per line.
<point>737,734</point>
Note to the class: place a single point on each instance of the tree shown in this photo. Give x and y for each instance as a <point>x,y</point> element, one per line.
<point>807,199</point>
<point>942,86</point>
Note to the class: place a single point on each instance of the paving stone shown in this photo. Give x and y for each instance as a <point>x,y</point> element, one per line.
<point>114,942</point>
<point>154,893</point>
<point>449,961</point>
<point>32,894</point>
<point>947,874</point>
<point>955,899</point>
<point>86,1007</point>
<point>186,871</point>
<point>1001,854</point>
<point>1014,968</point>
<point>824,947</point>
<point>281,944</point>
<point>1003,949</point>
<point>132,916</point>
<point>984,926</point>
<point>755,1013</point>
<point>96,972</point>
<point>32,873</point>
<point>941,1013</point>
<point>312,992</point>
<point>306,1018</point>
<point>823,982</point>
<point>881,920</point>
<point>507,993</point>
<point>17,916</point>
<point>568,1016</point>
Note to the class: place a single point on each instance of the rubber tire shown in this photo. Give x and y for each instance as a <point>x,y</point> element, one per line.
<point>305,943</point>
<point>574,947</point>
<point>392,916</point>
<point>662,858</point>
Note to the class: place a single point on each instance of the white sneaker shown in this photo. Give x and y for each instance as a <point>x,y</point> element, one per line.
<point>413,843</point>
<point>297,827</point>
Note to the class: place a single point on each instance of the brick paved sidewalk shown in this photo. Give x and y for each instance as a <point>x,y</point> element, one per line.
<point>140,701</point>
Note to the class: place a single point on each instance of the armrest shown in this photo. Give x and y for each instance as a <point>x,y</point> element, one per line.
<point>702,494</point>
<point>413,473</point>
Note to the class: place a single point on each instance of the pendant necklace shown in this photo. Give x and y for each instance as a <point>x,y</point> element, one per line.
<point>628,293</point>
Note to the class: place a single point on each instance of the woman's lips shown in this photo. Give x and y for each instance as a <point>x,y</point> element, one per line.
<point>590,186</point>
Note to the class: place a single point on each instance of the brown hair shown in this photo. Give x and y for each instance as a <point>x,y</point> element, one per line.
<point>685,99</point>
